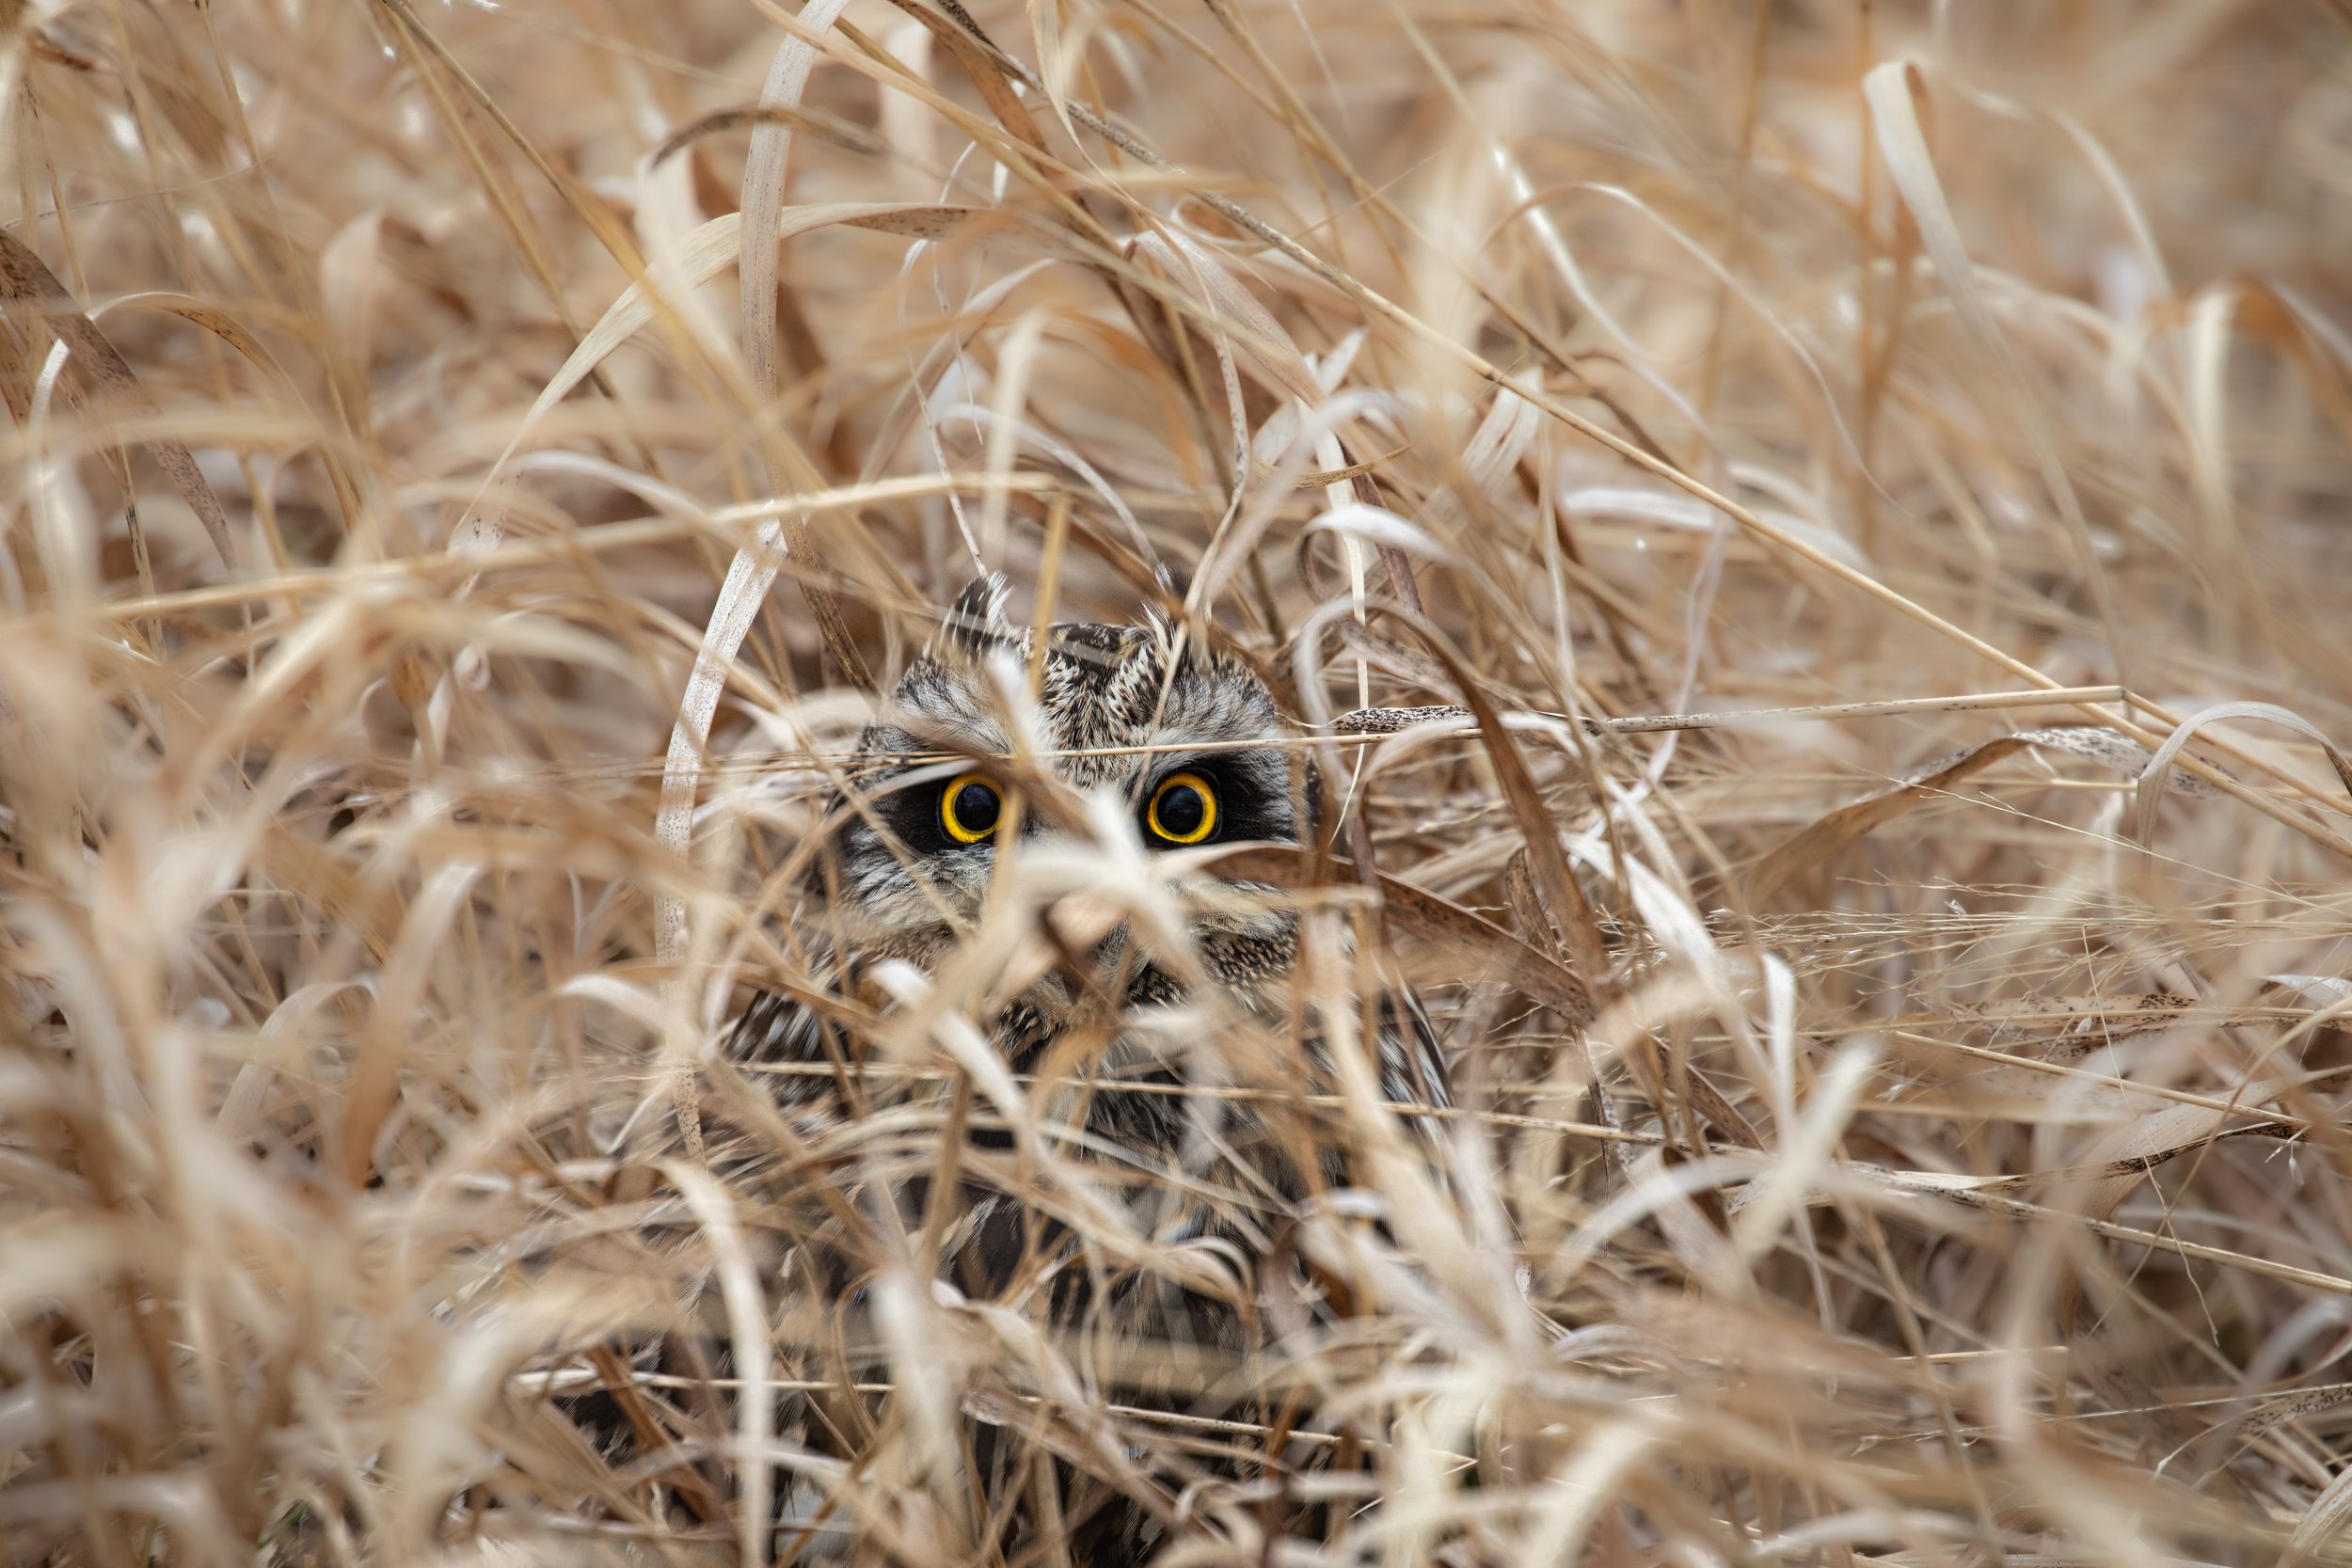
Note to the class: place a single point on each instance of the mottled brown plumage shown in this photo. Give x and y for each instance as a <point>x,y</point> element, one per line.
<point>1125,710</point>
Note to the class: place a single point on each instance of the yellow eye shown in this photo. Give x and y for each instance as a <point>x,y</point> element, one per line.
<point>969,808</point>
<point>1183,809</point>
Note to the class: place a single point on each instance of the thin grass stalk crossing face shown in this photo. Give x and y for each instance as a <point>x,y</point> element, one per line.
<point>1641,859</point>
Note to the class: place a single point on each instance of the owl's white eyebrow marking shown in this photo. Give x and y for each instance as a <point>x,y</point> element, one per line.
<point>940,712</point>
<point>961,732</point>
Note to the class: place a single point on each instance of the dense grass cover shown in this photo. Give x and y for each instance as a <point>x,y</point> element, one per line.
<point>450,548</point>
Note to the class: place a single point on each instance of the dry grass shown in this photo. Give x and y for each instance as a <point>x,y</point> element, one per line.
<point>1963,1183</point>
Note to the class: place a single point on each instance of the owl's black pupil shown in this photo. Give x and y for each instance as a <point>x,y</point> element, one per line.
<point>977,807</point>
<point>1182,812</point>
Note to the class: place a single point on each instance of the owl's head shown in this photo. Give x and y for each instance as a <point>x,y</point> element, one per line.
<point>1156,721</point>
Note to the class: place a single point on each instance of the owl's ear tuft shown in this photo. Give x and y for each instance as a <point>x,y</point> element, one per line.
<point>976,623</point>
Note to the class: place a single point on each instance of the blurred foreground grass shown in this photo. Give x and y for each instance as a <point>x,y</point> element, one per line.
<point>1954,1169</point>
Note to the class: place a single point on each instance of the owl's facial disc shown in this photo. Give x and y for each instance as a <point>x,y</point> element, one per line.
<point>1119,710</point>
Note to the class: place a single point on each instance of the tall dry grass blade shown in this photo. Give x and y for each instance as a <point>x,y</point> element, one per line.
<point>2151,779</point>
<point>1894,92</point>
<point>38,296</point>
<point>762,203</point>
<point>1812,848</point>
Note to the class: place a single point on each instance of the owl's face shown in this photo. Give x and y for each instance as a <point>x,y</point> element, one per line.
<point>1124,712</point>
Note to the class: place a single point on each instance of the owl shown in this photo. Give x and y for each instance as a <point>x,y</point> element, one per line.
<point>1181,746</point>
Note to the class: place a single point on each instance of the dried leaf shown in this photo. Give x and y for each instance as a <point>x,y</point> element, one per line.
<point>29,282</point>
<point>1549,863</point>
<point>988,74</point>
<point>1813,844</point>
<point>237,336</point>
<point>1469,939</point>
<point>2151,779</point>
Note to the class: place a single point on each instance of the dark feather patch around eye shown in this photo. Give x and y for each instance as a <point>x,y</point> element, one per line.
<point>909,807</point>
<point>1251,798</point>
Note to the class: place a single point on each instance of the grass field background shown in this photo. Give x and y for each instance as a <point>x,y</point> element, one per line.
<point>445,564</point>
